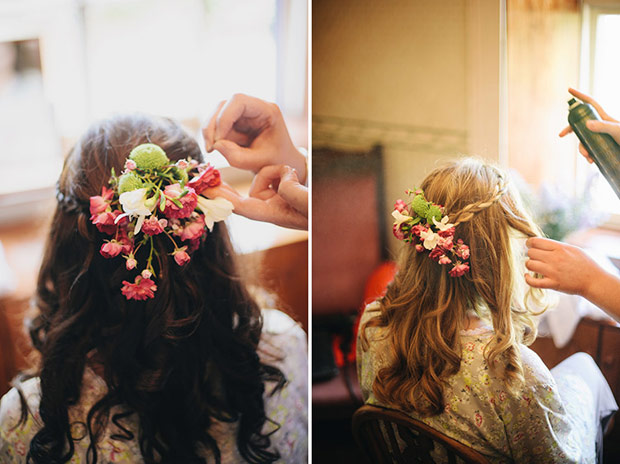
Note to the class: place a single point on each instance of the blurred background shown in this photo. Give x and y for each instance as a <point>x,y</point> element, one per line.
<point>66,63</point>
<point>399,87</point>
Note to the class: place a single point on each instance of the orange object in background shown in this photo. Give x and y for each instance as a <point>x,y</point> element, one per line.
<point>375,288</point>
<point>377,283</point>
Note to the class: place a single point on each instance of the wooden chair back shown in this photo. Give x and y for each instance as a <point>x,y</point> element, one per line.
<point>388,436</point>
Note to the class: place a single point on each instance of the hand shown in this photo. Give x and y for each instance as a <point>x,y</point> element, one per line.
<point>564,267</point>
<point>609,125</point>
<point>280,180</point>
<point>251,134</point>
<point>267,203</point>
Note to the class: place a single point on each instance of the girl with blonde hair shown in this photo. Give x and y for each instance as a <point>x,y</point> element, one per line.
<point>447,342</point>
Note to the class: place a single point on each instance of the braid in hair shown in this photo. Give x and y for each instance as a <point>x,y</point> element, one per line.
<point>468,211</point>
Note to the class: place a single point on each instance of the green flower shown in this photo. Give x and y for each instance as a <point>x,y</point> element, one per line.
<point>149,156</point>
<point>128,182</point>
<point>420,206</point>
<point>433,212</point>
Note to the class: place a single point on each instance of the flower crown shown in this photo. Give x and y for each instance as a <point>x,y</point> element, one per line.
<point>423,225</point>
<point>152,197</point>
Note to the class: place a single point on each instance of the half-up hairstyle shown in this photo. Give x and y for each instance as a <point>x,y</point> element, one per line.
<point>175,362</point>
<point>425,309</point>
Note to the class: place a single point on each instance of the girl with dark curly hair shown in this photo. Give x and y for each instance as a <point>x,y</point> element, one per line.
<point>179,365</point>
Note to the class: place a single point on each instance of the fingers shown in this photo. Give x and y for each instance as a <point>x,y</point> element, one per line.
<point>208,132</point>
<point>541,243</point>
<point>544,282</point>
<point>255,114</point>
<point>585,153</point>
<point>292,191</point>
<point>565,131</point>
<point>588,99</point>
<point>237,156</point>
<point>607,127</point>
<point>266,182</point>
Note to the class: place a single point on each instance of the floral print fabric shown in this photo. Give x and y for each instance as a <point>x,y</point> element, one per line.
<point>283,344</point>
<point>545,421</point>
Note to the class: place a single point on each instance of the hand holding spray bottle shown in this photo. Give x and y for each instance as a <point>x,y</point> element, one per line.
<point>602,148</point>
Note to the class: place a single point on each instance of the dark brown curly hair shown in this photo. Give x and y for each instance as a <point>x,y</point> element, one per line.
<point>175,362</point>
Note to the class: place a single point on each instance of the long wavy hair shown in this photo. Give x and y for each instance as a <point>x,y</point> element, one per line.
<point>176,362</point>
<point>424,309</point>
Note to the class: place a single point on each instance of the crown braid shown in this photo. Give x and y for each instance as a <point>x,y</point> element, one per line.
<point>468,211</point>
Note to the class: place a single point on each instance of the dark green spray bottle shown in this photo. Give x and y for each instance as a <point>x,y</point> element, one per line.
<point>603,148</point>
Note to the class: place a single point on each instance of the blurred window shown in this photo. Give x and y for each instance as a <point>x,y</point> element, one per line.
<point>601,76</point>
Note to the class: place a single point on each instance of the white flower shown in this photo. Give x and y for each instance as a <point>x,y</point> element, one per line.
<point>443,225</point>
<point>134,204</point>
<point>430,239</point>
<point>214,210</point>
<point>400,217</point>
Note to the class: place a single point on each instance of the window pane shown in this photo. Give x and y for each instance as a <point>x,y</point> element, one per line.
<point>606,87</point>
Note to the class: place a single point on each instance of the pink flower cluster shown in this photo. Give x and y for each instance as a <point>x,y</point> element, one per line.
<point>181,219</point>
<point>435,238</point>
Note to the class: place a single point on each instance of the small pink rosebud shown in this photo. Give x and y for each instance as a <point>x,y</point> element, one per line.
<point>131,263</point>
<point>163,222</point>
<point>110,249</point>
<point>181,257</point>
<point>146,274</point>
<point>419,248</point>
<point>130,165</point>
<point>182,164</point>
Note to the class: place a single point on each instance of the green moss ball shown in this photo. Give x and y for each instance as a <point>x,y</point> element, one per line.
<point>149,156</point>
<point>128,182</point>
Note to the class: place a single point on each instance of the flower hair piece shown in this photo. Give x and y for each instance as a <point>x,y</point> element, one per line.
<point>423,225</point>
<point>152,197</point>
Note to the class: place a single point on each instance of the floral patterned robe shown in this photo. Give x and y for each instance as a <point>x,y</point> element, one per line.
<point>548,420</point>
<point>281,337</point>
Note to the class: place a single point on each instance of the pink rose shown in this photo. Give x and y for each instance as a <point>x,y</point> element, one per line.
<point>418,229</point>
<point>140,289</point>
<point>443,259</point>
<point>188,201</point>
<point>419,248</point>
<point>435,254</point>
<point>194,229</point>
<point>130,165</point>
<point>459,269</point>
<point>146,274</point>
<point>153,226</point>
<point>401,206</point>
<point>180,256</point>
<point>464,249</point>
<point>397,232</point>
<point>445,242</point>
<point>105,221</point>
<point>111,249</point>
<point>98,205</point>
<point>131,263</point>
<point>208,177</point>
<point>446,233</point>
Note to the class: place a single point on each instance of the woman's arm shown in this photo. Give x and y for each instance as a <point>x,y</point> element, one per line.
<point>569,269</point>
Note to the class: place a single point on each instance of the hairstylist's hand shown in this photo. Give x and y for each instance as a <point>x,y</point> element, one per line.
<point>569,269</point>
<point>251,134</point>
<point>267,203</point>
<point>609,125</point>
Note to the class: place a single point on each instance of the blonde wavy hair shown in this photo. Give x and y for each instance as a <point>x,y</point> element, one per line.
<point>425,309</point>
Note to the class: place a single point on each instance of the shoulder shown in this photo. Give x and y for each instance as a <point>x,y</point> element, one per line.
<point>14,439</point>
<point>535,372</point>
<point>284,345</point>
